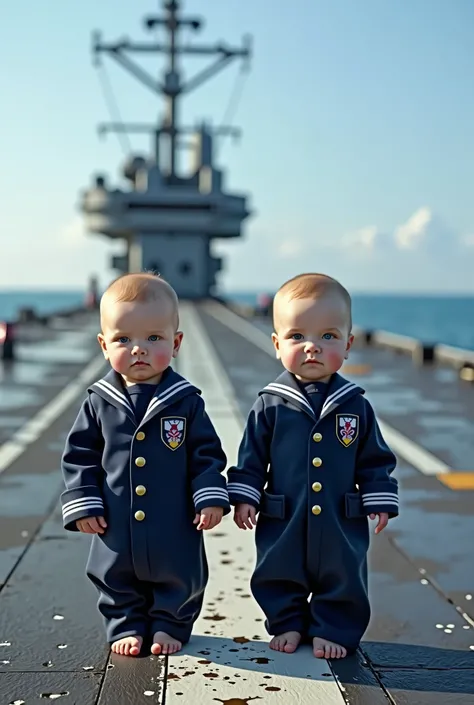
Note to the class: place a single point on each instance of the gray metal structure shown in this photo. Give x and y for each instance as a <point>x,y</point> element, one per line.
<point>168,220</point>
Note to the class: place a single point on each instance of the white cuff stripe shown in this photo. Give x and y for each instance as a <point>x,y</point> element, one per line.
<point>74,502</point>
<point>381,501</point>
<point>202,495</point>
<point>83,508</point>
<point>241,488</point>
<point>380,495</point>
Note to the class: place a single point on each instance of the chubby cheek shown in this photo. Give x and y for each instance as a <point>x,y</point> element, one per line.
<point>290,357</point>
<point>162,356</point>
<point>119,359</point>
<point>335,358</point>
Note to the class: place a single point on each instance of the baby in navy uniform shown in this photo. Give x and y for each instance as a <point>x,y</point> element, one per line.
<point>314,465</point>
<point>143,473</point>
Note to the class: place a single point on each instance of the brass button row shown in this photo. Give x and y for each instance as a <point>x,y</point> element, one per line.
<point>139,516</point>
<point>316,509</point>
<point>317,437</point>
<point>140,462</point>
<point>140,436</point>
<point>317,462</point>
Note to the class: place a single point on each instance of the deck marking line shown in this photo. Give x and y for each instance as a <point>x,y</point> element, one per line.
<point>420,458</point>
<point>239,676</point>
<point>32,430</point>
<point>458,480</point>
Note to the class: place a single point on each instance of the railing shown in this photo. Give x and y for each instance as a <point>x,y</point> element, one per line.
<point>421,353</point>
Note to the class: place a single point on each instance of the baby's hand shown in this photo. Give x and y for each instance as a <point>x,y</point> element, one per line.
<point>92,525</point>
<point>209,518</point>
<point>244,516</point>
<point>383,521</point>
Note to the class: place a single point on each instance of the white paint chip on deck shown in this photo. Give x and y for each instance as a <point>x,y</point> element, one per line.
<point>228,659</point>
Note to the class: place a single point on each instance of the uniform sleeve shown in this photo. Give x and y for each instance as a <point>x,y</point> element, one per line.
<point>375,465</point>
<point>207,462</point>
<point>247,479</point>
<point>82,469</point>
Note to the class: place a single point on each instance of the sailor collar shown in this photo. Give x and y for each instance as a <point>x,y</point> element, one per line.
<point>171,388</point>
<point>339,391</point>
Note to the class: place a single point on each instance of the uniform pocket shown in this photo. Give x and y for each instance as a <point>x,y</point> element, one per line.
<point>273,505</point>
<point>354,506</point>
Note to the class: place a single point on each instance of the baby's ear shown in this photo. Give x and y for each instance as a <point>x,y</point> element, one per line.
<point>350,340</point>
<point>103,345</point>
<point>276,345</point>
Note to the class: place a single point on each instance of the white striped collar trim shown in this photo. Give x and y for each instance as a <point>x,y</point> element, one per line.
<point>165,396</point>
<point>335,398</point>
<point>290,393</point>
<point>113,393</point>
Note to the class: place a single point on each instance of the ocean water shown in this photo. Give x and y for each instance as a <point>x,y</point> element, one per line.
<point>42,301</point>
<point>432,319</point>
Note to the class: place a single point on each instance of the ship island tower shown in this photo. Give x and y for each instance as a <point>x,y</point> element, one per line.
<point>167,221</point>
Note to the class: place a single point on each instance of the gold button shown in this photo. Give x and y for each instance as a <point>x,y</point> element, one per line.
<point>316,509</point>
<point>140,462</point>
<point>140,490</point>
<point>139,516</point>
<point>140,436</point>
<point>317,437</point>
<point>317,462</point>
<point>317,487</point>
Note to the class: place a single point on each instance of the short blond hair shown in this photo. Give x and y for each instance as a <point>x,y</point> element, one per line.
<point>314,285</point>
<point>141,287</point>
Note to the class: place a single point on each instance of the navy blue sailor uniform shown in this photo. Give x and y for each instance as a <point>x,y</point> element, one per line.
<point>147,465</point>
<point>314,463</point>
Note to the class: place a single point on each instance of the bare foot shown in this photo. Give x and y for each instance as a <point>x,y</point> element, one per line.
<point>164,644</point>
<point>128,646</point>
<point>322,648</point>
<point>288,642</point>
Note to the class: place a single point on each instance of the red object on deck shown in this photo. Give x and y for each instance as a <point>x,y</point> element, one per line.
<point>7,340</point>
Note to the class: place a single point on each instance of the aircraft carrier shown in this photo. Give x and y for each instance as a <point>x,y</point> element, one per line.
<point>419,648</point>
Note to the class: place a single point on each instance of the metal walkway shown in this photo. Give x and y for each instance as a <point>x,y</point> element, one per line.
<point>418,649</point>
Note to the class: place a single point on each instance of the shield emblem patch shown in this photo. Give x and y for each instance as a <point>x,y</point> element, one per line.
<point>347,428</point>
<point>173,431</point>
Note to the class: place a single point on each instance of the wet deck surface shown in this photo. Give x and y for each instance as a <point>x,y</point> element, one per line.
<point>419,646</point>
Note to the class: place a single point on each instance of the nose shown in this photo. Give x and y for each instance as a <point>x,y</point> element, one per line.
<point>138,349</point>
<point>311,346</point>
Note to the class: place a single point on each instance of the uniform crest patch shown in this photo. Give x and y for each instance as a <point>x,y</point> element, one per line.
<point>173,431</point>
<point>347,428</point>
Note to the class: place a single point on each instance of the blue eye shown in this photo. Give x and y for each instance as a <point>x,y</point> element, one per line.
<point>297,336</point>
<point>123,339</point>
<point>153,338</point>
<point>328,336</point>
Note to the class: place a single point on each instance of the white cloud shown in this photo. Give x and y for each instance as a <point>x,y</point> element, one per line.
<point>415,229</point>
<point>290,248</point>
<point>365,238</point>
<point>468,240</point>
<point>73,233</point>
<point>423,253</point>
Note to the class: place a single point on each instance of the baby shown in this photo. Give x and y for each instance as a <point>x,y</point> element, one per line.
<point>314,464</point>
<point>143,473</point>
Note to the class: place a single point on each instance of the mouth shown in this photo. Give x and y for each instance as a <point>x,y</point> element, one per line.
<point>312,362</point>
<point>139,363</point>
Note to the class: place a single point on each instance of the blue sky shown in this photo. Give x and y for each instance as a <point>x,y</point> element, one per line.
<point>357,148</point>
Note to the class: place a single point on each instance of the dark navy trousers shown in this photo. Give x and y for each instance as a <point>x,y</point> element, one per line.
<point>317,588</point>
